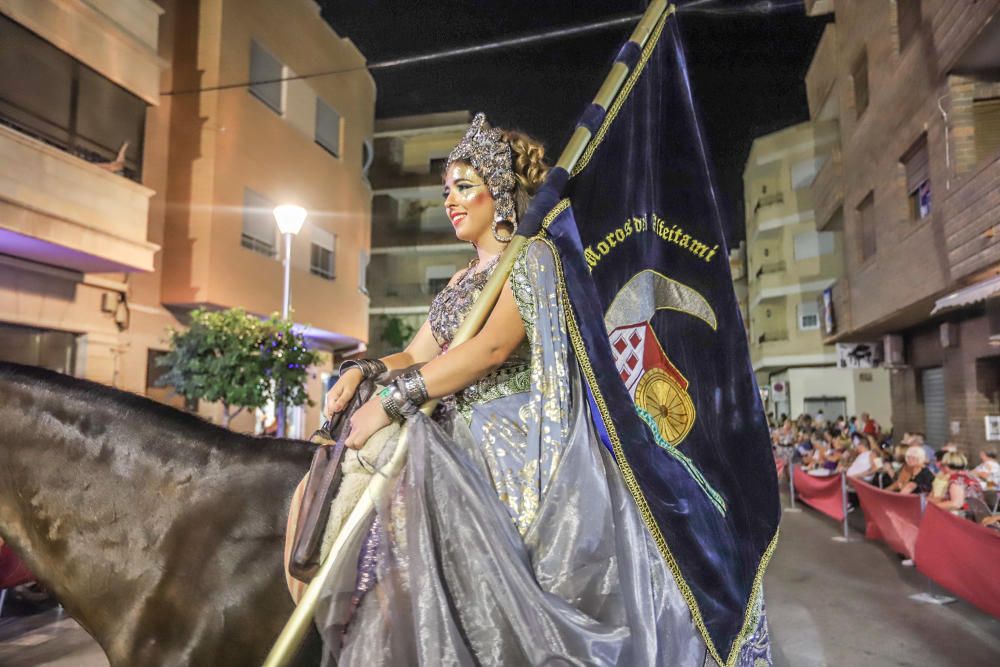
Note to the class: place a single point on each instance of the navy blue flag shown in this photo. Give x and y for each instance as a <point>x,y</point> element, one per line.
<point>658,335</point>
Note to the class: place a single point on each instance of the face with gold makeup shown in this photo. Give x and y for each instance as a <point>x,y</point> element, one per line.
<point>468,204</point>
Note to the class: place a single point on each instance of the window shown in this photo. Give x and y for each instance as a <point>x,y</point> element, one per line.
<point>918,185</point>
<point>327,127</point>
<point>908,20</point>
<point>48,95</point>
<point>322,254</point>
<point>363,272</point>
<point>813,244</point>
<point>808,312</point>
<point>986,121</point>
<point>437,277</point>
<point>266,73</point>
<point>259,229</point>
<point>860,76</point>
<point>866,227</point>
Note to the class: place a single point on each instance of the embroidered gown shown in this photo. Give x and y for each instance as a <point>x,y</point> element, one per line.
<point>511,538</point>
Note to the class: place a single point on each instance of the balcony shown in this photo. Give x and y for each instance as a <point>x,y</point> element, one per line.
<point>821,78</point>
<point>828,190</point>
<point>58,209</point>
<point>972,221</point>
<point>818,7</point>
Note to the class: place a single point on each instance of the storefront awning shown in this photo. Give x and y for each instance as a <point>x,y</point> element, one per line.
<point>968,295</point>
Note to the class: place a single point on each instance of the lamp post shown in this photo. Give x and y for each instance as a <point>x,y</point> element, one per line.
<point>290,219</point>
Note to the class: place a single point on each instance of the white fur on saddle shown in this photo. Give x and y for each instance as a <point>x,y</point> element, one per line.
<point>352,485</point>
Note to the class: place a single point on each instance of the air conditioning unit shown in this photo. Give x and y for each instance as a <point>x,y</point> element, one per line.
<point>892,346</point>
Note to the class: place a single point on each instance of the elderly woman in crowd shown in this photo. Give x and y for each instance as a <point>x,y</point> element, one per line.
<point>961,485</point>
<point>914,477</point>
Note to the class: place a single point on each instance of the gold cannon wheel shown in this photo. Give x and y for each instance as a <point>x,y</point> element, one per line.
<point>661,396</point>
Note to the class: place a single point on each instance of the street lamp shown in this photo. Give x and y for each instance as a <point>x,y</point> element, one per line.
<point>290,219</point>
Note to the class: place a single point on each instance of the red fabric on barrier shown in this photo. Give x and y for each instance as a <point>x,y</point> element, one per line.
<point>12,571</point>
<point>779,465</point>
<point>961,556</point>
<point>891,517</point>
<point>821,493</point>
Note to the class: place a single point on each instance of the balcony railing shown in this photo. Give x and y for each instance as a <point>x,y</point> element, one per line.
<point>772,337</point>
<point>772,199</point>
<point>771,267</point>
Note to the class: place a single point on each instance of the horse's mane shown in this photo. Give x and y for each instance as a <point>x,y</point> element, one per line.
<point>139,407</point>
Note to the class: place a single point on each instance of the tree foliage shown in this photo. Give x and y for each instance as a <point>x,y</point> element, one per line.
<point>237,360</point>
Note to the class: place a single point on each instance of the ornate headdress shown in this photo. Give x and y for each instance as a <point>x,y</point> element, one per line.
<point>484,148</point>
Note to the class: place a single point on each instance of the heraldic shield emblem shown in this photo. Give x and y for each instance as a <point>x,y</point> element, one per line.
<point>655,384</point>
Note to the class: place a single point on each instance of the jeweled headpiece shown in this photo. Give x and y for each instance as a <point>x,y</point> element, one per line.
<point>484,148</point>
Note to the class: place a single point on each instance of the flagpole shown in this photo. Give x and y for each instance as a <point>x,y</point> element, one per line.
<point>288,642</point>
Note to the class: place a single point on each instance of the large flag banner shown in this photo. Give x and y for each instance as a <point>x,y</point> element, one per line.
<point>659,337</point>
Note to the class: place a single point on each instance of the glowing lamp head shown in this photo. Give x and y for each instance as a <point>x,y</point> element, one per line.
<point>290,218</point>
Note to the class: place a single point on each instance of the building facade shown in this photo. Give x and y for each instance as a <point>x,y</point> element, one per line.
<point>99,256</point>
<point>788,264</point>
<point>914,187</point>
<point>414,249</point>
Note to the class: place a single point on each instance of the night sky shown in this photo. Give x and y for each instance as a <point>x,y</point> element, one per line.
<point>746,70</point>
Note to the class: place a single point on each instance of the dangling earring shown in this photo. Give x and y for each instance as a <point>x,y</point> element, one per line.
<point>503,239</point>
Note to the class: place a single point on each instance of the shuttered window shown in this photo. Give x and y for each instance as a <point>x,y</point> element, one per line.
<point>259,228</point>
<point>866,227</point>
<point>935,410</point>
<point>986,120</point>
<point>327,127</point>
<point>265,76</point>
<point>322,254</point>
<point>918,185</point>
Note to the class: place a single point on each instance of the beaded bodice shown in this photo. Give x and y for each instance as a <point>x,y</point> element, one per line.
<point>447,312</point>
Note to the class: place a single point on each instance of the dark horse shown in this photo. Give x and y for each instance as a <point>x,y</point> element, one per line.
<point>160,533</point>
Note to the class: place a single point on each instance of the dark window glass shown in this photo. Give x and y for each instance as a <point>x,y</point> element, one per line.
<point>918,184</point>
<point>908,20</point>
<point>860,76</point>
<point>265,76</point>
<point>866,222</point>
<point>46,94</point>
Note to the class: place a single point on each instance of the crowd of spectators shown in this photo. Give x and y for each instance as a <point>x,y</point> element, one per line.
<point>861,449</point>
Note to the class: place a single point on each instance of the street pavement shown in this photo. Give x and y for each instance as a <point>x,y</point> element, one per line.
<point>843,604</point>
<point>829,604</point>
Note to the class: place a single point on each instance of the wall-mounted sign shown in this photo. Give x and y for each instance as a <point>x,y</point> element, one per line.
<point>992,427</point>
<point>859,355</point>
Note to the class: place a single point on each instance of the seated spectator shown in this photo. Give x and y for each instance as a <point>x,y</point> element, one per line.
<point>833,454</point>
<point>992,522</point>
<point>852,425</point>
<point>914,477</point>
<point>961,485</point>
<point>988,471</point>
<point>868,425</point>
<point>867,461</point>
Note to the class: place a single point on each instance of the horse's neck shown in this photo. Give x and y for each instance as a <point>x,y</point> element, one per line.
<point>83,503</point>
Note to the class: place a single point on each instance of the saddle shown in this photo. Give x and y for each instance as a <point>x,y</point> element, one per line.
<point>324,479</point>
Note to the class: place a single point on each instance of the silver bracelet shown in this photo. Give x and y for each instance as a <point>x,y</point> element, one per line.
<point>412,386</point>
<point>370,368</point>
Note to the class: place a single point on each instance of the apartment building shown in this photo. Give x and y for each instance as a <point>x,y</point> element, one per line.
<point>788,264</point>
<point>414,249</point>
<point>98,260</point>
<point>914,188</point>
